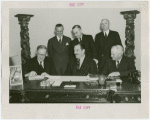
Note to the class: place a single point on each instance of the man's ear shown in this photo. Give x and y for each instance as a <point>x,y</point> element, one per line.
<point>84,50</point>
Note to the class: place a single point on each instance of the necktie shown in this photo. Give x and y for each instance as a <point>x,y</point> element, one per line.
<point>117,66</point>
<point>105,35</point>
<point>41,65</point>
<point>78,64</point>
<point>60,40</point>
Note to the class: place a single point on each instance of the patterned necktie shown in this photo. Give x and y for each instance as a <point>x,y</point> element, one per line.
<point>41,65</point>
<point>78,64</point>
<point>105,35</point>
<point>117,66</point>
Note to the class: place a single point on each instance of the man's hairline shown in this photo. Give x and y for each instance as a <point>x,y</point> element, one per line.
<point>80,47</point>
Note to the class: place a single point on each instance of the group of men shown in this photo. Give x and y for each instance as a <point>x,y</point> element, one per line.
<point>81,56</point>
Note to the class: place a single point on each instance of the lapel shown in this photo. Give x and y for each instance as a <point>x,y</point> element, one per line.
<point>122,63</point>
<point>56,44</point>
<point>83,64</point>
<point>107,41</point>
<point>83,38</point>
<point>109,36</point>
<point>102,39</point>
<point>113,65</point>
<point>45,63</point>
<point>64,41</point>
<point>36,63</point>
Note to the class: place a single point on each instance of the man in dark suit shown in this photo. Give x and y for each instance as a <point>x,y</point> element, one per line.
<point>104,41</point>
<point>119,65</point>
<point>39,65</point>
<point>82,65</point>
<point>59,50</point>
<point>87,40</point>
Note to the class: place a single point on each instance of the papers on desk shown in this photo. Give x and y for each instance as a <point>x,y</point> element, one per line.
<point>53,77</point>
<point>65,78</point>
<point>70,86</point>
<point>56,83</point>
<point>38,77</point>
<point>119,81</point>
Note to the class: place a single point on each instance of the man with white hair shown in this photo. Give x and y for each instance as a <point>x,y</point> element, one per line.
<point>104,40</point>
<point>119,65</point>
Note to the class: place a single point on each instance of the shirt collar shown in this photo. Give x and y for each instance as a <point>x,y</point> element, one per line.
<point>119,60</point>
<point>59,38</point>
<point>40,61</point>
<point>107,32</point>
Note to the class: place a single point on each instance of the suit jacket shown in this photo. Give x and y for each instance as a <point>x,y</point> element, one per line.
<point>88,67</point>
<point>89,46</point>
<point>103,46</point>
<point>126,66</point>
<point>59,54</point>
<point>33,65</point>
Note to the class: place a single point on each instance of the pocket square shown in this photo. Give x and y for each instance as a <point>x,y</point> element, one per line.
<point>67,44</point>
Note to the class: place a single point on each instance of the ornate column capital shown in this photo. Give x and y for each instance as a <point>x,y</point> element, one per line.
<point>24,34</point>
<point>129,16</point>
<point>130,12</point>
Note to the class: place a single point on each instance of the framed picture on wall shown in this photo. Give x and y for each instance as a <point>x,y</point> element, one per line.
<point>16,75</point>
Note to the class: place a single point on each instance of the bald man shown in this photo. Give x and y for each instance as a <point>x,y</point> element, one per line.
<point>104,41</point>
<point>118,65</point>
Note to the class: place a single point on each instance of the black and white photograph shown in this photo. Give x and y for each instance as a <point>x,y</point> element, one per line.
<point>76,55</point>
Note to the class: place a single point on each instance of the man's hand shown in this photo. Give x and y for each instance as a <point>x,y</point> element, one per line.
<point>32,74</point>
<point>44,74</point>
<point>114,74</point>
<point>96,61</point>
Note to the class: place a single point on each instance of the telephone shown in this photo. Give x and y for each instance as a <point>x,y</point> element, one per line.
<point>135,76</point>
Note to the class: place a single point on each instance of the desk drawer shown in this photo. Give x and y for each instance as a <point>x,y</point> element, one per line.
<point>69,97</point>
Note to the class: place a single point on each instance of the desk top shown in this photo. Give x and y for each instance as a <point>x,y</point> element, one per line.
<point>80,85</point>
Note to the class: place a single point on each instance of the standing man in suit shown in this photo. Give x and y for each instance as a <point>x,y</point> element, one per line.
<point>104,41</point>
<point>85,39</point>
<point>59,49</point>
<point>119,65</point>
<point>82,65</point>
<point>38,65</point>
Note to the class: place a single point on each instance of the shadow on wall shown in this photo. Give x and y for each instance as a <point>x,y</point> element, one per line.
<point>15,60</point>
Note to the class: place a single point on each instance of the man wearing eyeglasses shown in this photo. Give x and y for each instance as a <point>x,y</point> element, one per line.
<point>38,65</point>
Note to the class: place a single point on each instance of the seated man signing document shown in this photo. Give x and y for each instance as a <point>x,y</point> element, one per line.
<point>119,65</point>
<point>81,65</point>
<point>39,65</point>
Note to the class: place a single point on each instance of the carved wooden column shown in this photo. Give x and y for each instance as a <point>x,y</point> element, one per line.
<point>24,34</point>
<point>129,32</point>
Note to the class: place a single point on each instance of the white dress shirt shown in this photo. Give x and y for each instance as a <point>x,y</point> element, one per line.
<point>81,60</point>
<point>42,63</point>
<point>107,32</point>
<point>58,38</point>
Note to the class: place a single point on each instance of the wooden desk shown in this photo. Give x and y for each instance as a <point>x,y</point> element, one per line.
<point>32,92</point>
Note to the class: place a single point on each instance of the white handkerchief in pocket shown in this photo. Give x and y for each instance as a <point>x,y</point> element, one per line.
<point>67,44</point>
